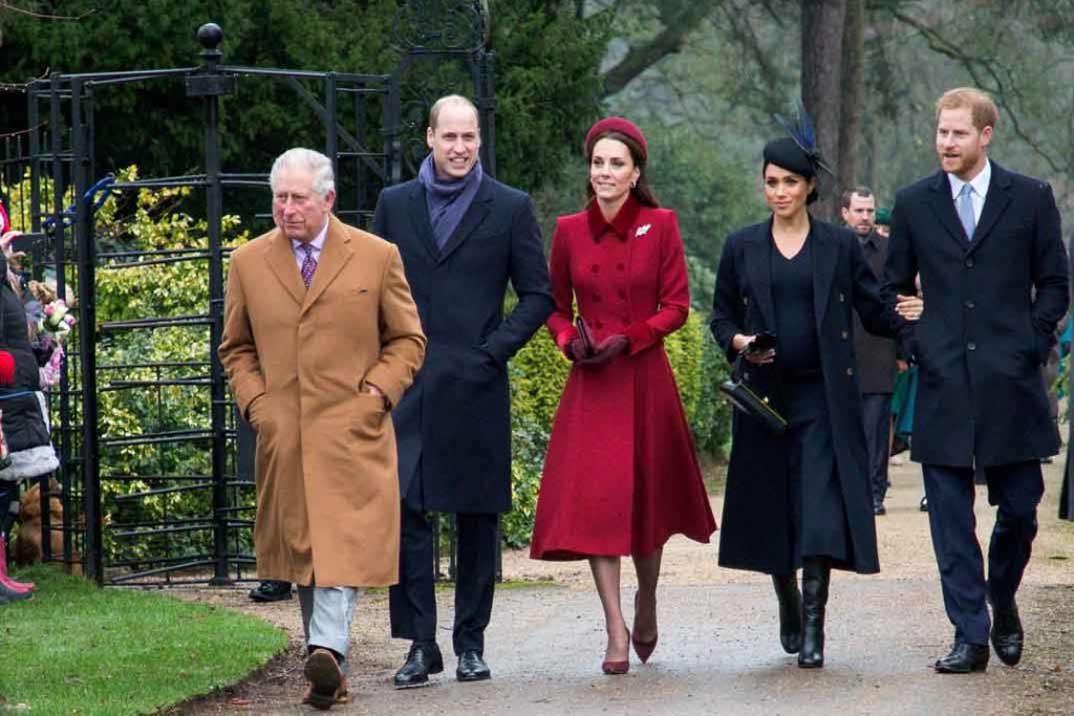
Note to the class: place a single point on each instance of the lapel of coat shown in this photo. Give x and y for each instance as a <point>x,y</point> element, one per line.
<point>943,206</point>
<point>334,256</point>
<point>996,202</point>
<point>757,252</point>
<point>479,209</point>
<point>824,253</point>
<point>418,210</point>
<point>281,261</point>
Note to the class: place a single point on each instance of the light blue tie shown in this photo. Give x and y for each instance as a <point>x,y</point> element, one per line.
<point>964,205</point>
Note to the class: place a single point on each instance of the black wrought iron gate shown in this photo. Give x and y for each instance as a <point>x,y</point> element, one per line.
<point>147,498</point>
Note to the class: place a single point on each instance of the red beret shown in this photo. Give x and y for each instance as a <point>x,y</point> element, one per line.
<point>616,124</point>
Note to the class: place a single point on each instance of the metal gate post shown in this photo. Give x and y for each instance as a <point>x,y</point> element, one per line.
<point>211,85</point>
<point>87,259</point>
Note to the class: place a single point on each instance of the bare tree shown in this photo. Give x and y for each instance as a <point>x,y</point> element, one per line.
<point>823,23</point>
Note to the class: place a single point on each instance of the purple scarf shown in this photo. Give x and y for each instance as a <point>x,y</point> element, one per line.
<point>447,200</point>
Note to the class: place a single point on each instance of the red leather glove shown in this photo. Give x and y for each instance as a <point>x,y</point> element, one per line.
<point>608,350</point>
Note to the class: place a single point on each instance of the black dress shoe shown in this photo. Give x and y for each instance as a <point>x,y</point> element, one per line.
<point>878,508</point>
<point>1007,635</point>
<point>423,659</point>
<point>472,667</point>
<point>924,504</point>
<point>271,591</point>
<point>964,658</point>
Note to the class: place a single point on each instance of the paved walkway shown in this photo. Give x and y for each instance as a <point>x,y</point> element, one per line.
<point>719,650</point>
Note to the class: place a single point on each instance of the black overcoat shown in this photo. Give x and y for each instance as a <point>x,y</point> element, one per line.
<point>453,426</point>
<point>755,530</point>
<point>875,354</point>
<point>983,336</point>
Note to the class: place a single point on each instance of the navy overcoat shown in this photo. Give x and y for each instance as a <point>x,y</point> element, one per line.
<point>755,529</point>
<point>453,427</point>
<point>991,308</point>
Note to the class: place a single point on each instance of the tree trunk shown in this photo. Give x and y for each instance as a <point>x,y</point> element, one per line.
<point>822,60</point>
<point>853,95</point>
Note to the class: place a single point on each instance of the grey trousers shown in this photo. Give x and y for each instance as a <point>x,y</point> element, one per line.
<point>326,617</point>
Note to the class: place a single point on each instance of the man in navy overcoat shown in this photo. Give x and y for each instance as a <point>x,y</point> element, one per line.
<point>463,236</point>
<point>993,267</point>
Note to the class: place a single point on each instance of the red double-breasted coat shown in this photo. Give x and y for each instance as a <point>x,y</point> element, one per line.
<point>621,474</point>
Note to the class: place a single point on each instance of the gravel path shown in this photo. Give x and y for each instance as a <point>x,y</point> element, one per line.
<point>719,649</point>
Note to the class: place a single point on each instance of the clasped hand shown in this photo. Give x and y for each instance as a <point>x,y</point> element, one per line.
<point>605,352</point>
<point>909,307</point>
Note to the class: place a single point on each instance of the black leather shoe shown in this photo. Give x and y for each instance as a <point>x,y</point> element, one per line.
<point>271,591</point>
<point>472,667</point>
<point>923,506</point>
<point>423,659</point>
<point>1007,635</point>
<point>964,659</point>
<point>790,612</point>
<point>878,508</point>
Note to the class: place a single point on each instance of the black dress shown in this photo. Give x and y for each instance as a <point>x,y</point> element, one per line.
<point>817,509</point>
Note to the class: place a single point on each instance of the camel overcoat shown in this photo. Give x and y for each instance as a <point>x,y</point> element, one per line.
<point>298,362</point>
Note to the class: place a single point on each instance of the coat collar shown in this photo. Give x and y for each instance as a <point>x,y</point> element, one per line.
<point>621,223</point>
<point>335,254</point>
<point>471,220</point>
<point>996,202</point>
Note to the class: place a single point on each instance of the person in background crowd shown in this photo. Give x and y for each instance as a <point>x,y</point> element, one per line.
<point>875,355</point>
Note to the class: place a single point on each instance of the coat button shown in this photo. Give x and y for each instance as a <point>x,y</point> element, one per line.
<point>595,268</point>
<point>621,267</point>
<point>842,298</point>
<point>850,371</point>
<point>745,376</point>
<point>599,324</point>
<point>971,346</point>
<point>969,305</point>
<point>622,294</point>
<point>596,298</point>
<point>969,263</point>
<point>844,334</point>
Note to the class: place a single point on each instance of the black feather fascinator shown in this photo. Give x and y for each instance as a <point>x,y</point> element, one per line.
<point>805,137</point>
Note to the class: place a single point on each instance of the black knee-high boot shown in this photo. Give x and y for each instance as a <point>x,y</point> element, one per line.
<point>790,611</point>
<point>816,573</point>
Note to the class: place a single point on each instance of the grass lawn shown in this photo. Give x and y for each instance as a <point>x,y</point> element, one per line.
<point>77,649</point>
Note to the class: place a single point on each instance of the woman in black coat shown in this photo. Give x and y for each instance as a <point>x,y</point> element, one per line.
<point>801,499</point>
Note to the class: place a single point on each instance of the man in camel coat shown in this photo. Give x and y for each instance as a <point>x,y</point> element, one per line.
<point>321,339</point>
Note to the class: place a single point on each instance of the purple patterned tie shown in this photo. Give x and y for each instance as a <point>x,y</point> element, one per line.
<point>309,264</point>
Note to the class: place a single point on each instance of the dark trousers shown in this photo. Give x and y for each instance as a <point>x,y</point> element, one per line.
<point>876,414</point>
<point>1017,490</point>
<point>412,602</point>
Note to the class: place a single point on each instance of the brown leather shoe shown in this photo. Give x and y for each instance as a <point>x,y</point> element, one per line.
<point>343,696</point>
<point>326,682</point>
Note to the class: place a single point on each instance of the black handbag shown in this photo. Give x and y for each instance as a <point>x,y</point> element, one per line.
<point>750,402</point>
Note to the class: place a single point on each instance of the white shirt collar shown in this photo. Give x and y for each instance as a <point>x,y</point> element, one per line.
<point>979,183</point>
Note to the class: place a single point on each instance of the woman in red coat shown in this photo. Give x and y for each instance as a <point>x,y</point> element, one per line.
<point>621,473</point>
